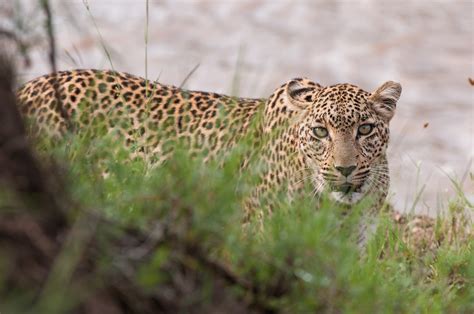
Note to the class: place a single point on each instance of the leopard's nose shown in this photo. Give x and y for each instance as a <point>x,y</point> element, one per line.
<point>345,171</point>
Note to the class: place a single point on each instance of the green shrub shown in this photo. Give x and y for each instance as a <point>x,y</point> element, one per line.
<point>299,259</point>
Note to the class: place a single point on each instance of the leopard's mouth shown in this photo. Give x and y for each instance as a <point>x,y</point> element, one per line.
<point>346,188</point>
<point>347,193</point>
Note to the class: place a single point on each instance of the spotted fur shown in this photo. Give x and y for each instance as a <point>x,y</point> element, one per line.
<point>149,115</point>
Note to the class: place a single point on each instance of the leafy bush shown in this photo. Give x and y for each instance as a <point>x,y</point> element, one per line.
<point>299,259</point>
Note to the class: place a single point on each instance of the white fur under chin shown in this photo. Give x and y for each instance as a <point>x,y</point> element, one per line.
<point>346,198</point>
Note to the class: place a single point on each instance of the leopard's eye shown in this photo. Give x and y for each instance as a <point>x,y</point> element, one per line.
<point>320,132</point>
<point>365,129</point>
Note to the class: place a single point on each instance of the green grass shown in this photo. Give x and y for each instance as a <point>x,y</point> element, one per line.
<point>303,260</point>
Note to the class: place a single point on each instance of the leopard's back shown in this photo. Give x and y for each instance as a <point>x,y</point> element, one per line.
<point>146,113</point>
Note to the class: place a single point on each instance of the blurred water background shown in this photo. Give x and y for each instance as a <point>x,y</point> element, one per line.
<point>248,48</point>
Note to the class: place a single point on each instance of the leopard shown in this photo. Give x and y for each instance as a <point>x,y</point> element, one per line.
<point>334,137</point>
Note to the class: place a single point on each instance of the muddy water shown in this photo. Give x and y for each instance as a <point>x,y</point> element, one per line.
<point>251,47</point>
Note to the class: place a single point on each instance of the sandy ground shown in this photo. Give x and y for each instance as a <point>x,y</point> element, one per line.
<point>248,48</point>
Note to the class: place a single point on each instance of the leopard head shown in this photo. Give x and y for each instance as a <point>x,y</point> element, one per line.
<point>342,135</point>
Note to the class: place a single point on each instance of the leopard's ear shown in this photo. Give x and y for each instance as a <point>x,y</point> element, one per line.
<point>384,99</point>
<point>301,93</point>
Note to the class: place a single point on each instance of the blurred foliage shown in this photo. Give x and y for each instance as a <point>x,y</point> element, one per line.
<point>198,257</point>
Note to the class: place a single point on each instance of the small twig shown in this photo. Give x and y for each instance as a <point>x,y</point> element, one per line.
<point>52,61</point>
<point>101,39</point>
<point>50,32</point>
<point>154,237</point>
<point>189,75</point>
<point>147,5</point>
